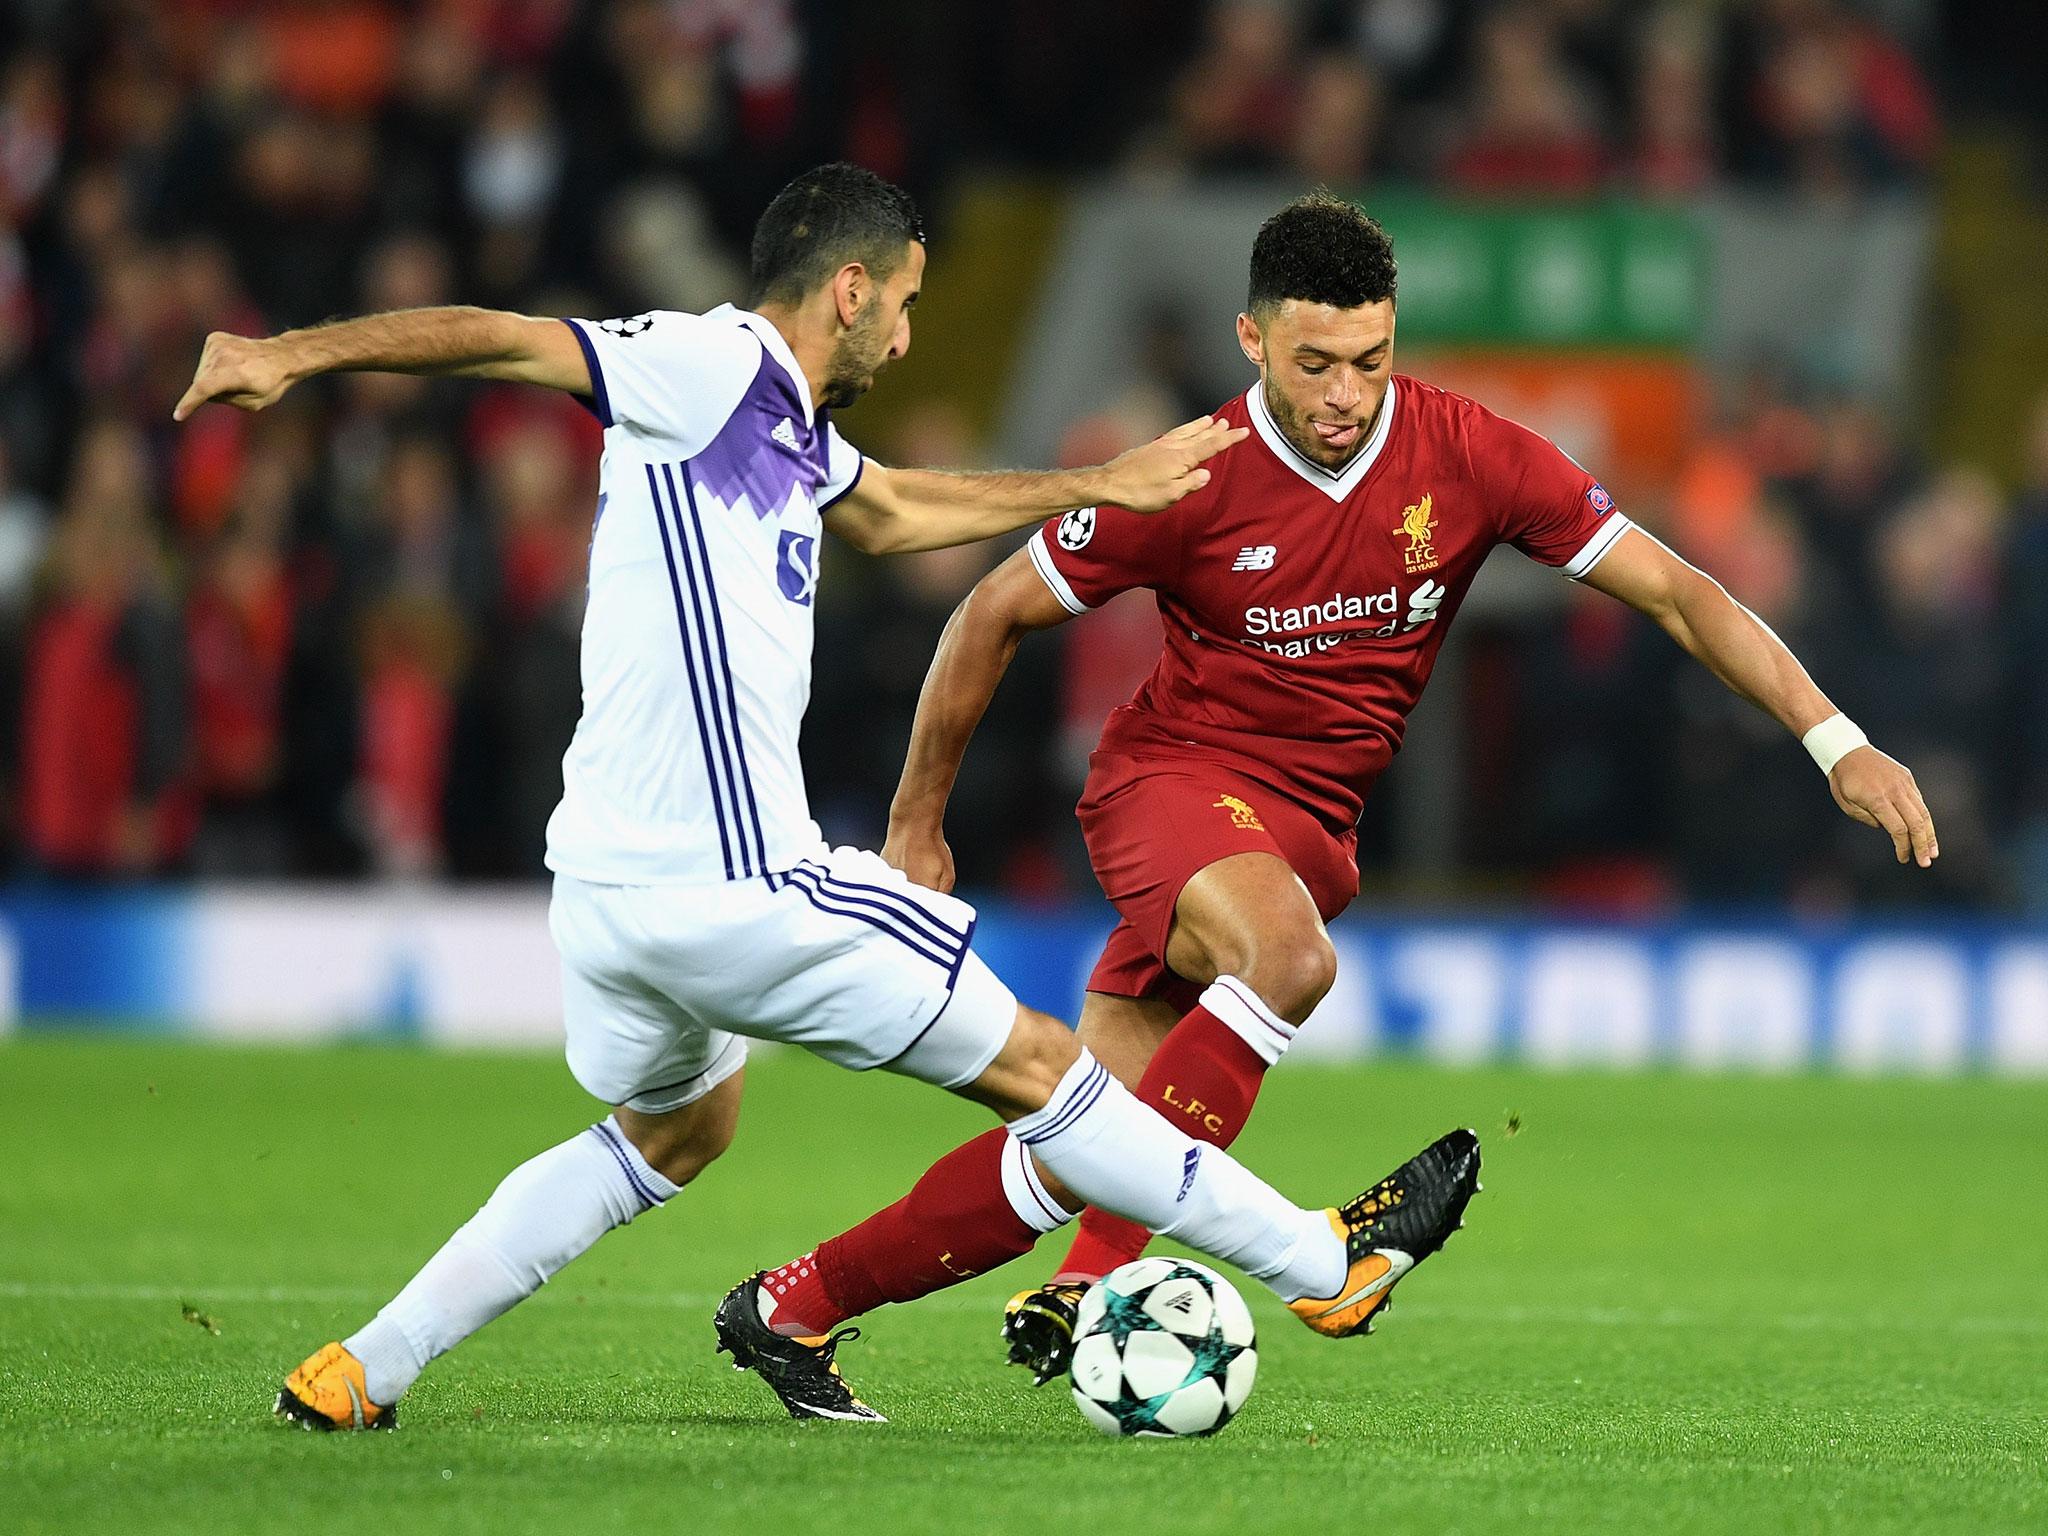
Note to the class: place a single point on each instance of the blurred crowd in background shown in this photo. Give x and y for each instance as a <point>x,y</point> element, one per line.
<point>339,638</point>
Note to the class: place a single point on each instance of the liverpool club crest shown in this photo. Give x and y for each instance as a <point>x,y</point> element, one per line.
<point>1419,523</point>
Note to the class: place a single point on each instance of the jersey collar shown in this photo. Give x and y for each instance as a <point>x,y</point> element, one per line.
<point>772,339</point>
<point>1341,483</point>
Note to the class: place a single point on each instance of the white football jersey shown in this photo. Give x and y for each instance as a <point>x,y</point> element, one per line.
<point>697,637</point>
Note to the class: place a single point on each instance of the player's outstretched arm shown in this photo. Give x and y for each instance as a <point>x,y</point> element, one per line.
<point>251,372</point>
<point>974,652</point>
<point>1741,650</point>
<point>892,511</point>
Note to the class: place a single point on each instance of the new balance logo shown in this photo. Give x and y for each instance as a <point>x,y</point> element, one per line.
<point>1254,557</point>
<point>1187,1173</point>
<point>785,434</point>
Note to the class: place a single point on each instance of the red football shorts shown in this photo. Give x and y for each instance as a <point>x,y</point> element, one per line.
<point>1151,823</point>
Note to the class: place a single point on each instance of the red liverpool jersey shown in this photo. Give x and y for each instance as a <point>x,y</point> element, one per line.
<point>1303,608</point>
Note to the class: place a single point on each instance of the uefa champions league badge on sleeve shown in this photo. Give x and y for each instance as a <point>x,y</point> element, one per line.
<point>1077,528</point>
<point>1602,502</point>
<point>629,327</point>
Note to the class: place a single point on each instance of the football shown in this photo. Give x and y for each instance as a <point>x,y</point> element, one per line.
<point>1163,1347</point>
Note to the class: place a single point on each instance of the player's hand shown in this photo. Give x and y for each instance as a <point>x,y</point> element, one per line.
<point>1152,477</point>
<point>247,372</point>
<point>919,850</point>
<point>1879,792</point>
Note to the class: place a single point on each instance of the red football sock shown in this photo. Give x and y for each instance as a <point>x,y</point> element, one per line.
<point>1203,1078</point>
<point>956,1222</point>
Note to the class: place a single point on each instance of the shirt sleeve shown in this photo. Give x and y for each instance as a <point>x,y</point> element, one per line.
<point>666,373</point>
<point>1551,509</point>
<point>1090,555</point>
<point>843,466</point>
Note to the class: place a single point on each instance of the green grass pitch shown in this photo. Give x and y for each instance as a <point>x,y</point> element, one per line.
<point>1681,1305</point>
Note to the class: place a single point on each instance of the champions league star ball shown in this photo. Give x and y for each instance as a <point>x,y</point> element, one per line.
<point>1162,1347</point>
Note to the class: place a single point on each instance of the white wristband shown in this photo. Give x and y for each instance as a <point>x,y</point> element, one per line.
<point>1832,740</point>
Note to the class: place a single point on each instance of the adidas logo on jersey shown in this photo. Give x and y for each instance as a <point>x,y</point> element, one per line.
<point>1254,557</point>
<point>785,434</point>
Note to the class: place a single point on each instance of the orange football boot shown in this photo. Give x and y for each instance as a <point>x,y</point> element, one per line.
<point>328,1392</point>
<point>1393,1227</point>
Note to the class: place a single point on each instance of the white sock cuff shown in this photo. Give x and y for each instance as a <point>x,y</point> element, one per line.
<point>649,1185</point>
<point>1076,1094</point>
<point>1248,1017</point>
<point>1027,1193</point>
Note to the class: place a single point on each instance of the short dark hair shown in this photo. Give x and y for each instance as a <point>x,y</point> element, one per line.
<point>824,219</point>
<point>1322,249</point>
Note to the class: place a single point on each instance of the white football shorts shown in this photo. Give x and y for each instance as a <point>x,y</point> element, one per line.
<point>662,985</point>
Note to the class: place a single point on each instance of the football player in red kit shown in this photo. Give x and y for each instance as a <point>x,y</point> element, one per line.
<point>1303,595</point>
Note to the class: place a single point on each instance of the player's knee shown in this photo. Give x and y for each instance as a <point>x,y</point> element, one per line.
<point>1049,1049</point>
<point>683,1143</point>
<point>1292,971</point>
<point>1027,1072</point>
<point>695,1151</point>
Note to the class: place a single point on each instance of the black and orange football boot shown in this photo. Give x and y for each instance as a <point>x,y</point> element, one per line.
<point>1393,1227</point>
<point>1038,1325</point>
<point>328,1392</point>
<point>802,1372</point>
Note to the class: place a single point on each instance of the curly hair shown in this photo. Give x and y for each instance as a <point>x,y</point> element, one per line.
<point>1324,250</point>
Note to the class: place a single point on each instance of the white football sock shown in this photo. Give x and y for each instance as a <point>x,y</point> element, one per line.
<point>1112,1151</point>
<point>1245,1014</point>
<point>1028,1196</point>
<point>549,1209</point>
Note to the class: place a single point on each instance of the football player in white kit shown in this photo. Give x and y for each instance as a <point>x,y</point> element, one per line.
<point>695,902</point>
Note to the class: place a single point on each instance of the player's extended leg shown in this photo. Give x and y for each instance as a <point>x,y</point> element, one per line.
<point>1247,919</point>
<point>1085,1131</point>
<point>546,1212</point>
<point>1072,1124</point>
<point>1247,929</point>
<point>977,1208</point>
<point>1122,1156</point>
